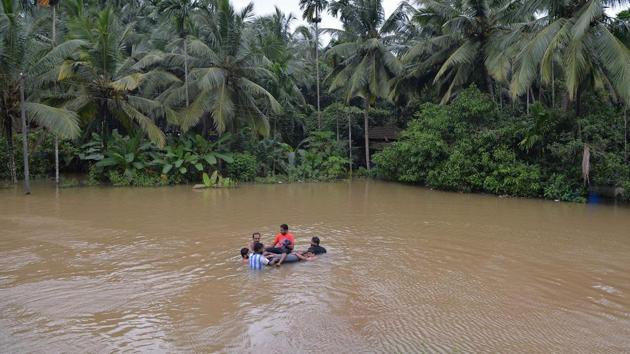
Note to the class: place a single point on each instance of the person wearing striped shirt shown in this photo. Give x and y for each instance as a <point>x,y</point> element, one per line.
<point>257,260</point>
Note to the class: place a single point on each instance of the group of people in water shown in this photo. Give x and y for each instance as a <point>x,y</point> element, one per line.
<point>257,256</point>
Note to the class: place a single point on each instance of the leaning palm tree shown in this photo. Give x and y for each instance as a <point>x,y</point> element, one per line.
<point>24,57</point>
<point>312,14</point>
<point>225,75</point>
<point>579,36</point>
<point>364,65</point>
<point>102,79</point>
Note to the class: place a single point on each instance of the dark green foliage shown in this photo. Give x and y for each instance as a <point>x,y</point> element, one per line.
<point>124,156</point>
<point>41,155</point>
<point>470,146</point>
<point>244,167</point>
<point>322,159</point>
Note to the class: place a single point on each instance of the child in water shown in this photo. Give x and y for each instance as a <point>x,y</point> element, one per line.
<point>245,255</point>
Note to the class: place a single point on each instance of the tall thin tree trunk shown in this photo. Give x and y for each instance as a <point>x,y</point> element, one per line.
<point>527,102</point>
<point>350,142</point>
<point>102,112</point>
<point>366,116</point>
<point>578,110</point>
<point>489,85</point>
<point>54,43</point>
<point>8,127</point>
<point>553,87</point>
<point>319,113</point>
<point>27,182</point>
<point>337,122</point>
<point>186,68</point>
<point>625,133</point>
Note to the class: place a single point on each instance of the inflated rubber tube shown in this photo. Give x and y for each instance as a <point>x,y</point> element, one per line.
<point>291,258</point>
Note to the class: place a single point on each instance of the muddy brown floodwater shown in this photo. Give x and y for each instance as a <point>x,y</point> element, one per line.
<point>408,270</point>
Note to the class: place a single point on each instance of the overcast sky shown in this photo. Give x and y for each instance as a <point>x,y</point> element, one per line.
<point>265,7</point>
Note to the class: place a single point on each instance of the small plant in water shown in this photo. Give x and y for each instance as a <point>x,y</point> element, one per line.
<point>215,181</point>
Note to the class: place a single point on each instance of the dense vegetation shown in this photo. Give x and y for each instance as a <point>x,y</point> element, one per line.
<point>523,98</point>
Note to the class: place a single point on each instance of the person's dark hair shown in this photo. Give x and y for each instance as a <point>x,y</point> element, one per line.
<point>284,227</point>
<point>244,252</point>
<point>258,247</point>
<point>315,240</point>
<point>255,233</point>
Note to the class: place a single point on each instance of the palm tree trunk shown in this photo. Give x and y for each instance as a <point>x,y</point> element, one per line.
<point>553,87</point>
<point>8,128</point>
<point>489,84</point>
<point>578,98</point>
<point>27,182</point>
<point>54,39</point>
<point>337,122</point>
<point>366,115</point>
<point>625,134</point>
<point>319,114</point>
<point>186,68</point>
<point>527,101</point>
<point>102,112</point>
<point>350,142</point>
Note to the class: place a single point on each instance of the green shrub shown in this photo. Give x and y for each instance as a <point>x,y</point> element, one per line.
<point>322,159</point>
<point>412,157</point>
<point>511,177</point>
<point>140,179</point>
<point>609,169</point>
<point>243,167</point>
<point>558,187</point>
<point>458,173</point>
<point>336,167</point>
<point>41,154</point>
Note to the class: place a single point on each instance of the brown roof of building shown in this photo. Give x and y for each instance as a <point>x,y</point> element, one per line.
<point>386,133</point>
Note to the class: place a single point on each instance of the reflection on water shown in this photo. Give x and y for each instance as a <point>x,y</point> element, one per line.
<point>408,270</point>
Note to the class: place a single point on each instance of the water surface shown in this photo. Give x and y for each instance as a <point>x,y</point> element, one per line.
<point>408,270</point>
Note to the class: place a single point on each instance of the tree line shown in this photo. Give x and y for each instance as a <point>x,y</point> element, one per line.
<point>167,67</point>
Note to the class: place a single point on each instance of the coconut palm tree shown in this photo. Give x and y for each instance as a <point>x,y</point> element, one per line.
<point>273,39</point>
<point>363,64</point>
<point>225,74</point>
<point>103,79</point>
<point>458,43</point>
<point>578,36</point>
<point>312,14</point>
<point>181,12</point>
<point>24,56</point>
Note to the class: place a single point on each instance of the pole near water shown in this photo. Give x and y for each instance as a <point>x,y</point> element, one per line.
<point>54,40</point>
<point>625,133</point>
<point>350,142</point>
<point>27,183</point>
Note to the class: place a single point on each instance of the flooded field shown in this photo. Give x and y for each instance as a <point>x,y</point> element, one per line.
<point>407,270</point>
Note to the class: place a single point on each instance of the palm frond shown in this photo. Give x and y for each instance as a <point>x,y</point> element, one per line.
<point>60,121</point>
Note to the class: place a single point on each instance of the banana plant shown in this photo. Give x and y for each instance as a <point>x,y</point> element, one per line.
<point>193,154</point>
<point>128,154</point>
<point>216,181</point>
